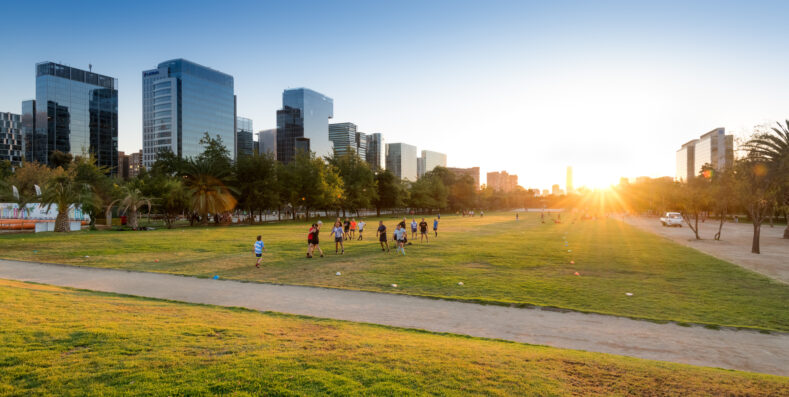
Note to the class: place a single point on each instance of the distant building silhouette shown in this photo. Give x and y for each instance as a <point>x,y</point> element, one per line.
<point>502,181</point>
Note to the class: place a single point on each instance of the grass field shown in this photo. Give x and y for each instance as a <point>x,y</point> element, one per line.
<point>58,341</point>
<point>498,259</point>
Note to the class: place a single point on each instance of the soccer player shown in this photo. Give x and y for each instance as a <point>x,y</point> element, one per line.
<point>423,231</point>
<point>259,248</point>
<point>313,240</point>
<point>361,228</point>
<point>338,237</point>
<point>413,229</point>
<point>399,236</point>
<point>347,226</point>
<point>435,227</point>
<point>353,228</point>
<point>382,236</point>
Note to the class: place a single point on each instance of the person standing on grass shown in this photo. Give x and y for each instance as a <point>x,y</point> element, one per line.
<point>481,213</point>
<point>338,237</point>
<point>347,227</point>
<point>259,249</point>
<point>413,228</point>
<point>310,237</point>
<point>314,240</point>
<point>382,236</point>
<point>353,228</point>
<point>361,228</point>
<point>423,231</point>
<point>400,236</point>
<point>435,226</point>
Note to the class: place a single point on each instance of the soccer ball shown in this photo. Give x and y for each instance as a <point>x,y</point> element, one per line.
<point>460,283</point>
<point>338,274</point>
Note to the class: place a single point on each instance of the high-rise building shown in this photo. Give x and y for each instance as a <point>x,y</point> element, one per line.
<point>714,148</point>
<point>123,165</point>
<point>345,138</point>
<point>11,142</point>
<point>303,123</point>
<point>244,139</point>
<point>376,151</point>
<point>472,172</point>
<point>569,182</point>
<point>135,164</point>
<point>181,102</point>
<point>401,160</point>
<point>267,141</point>
<point>502,181</point>
<point>75,111</point>
<point>429,161</point>
<point>556,190</point>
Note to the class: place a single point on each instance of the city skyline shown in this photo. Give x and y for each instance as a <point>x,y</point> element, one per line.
<point>674,75</point>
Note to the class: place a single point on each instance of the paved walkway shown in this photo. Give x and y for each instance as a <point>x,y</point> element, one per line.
<point>742,350</point>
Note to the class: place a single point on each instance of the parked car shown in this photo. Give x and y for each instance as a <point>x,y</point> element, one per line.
<point>671,219</point>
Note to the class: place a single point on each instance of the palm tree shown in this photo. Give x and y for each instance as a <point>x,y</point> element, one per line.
<point>132,200</point>
<point>208,187</point>
<point>773,150</point>
<point>63,190</point>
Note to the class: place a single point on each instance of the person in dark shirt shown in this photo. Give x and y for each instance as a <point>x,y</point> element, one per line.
<point>423,231</point>
<point>382,236</point>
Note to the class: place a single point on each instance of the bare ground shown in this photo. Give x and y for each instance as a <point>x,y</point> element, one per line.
<point>734,246</point>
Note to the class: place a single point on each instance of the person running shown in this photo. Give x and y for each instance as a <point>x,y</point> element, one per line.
<point>516,216</point>
<point>413,228</point>
<point>435,226</point>
<point>353,228</point>
<point>399,237</point>
<point>338,237</point>
<point>402,226</point>
<point>481,214</point>
<point>259,249</point>
<point>423,231</point>
<point>382,236</point>
<point>347,227</point>
<point>361,228</point>
<point>315,240</point>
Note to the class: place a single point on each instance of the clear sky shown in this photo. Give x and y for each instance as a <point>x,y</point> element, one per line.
<point>611,88</point>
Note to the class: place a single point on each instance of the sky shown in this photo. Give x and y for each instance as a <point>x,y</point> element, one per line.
<point>611,88</point>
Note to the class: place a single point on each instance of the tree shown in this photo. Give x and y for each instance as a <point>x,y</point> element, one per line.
<point>172,200</point>
<point>694,198</point>
<point>772,150</point>
<point>214,151</point>
<point>257,183</point>
<point>309,183</point>
<point>389,191</point>
<point>60,159</point>
<point>358,182</point>
<point>168,163</point>
<point>64,190</point>
<point>755,190</point>
<point>28,179</point>
<point>429,192</point>
<point>131,201</point>
<point>88,172</point>
<point>208,187</point>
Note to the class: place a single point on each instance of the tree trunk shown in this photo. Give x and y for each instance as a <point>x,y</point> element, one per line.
<point>720,225</point>
<point>378,211</point>
<point>756,230</point>
<point>786,231</point>
<point>62,221</point>
<point>108,217</point>
<point>133,218</point>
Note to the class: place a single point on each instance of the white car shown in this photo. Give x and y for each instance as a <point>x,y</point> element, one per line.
<point>672,219</point>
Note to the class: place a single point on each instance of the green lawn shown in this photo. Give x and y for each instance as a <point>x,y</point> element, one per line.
<point>498,259</point>
<point>59,341</point>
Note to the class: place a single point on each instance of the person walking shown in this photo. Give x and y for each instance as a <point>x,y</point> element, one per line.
<point>413,228</point>
<point>313,240</point>
<point>399,237</point>
<point>259,249</point>
<point>382,236</point>
<point>435,227</point>
<point>353,228</point>
<point>423,231</point>
<point>361,228</point>
<point>347,227</point>
<point>338,238</point>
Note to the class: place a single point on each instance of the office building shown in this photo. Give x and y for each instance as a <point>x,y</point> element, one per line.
<point>401,160</point>
<point>555,190</point>
<point>75,111</point>
<point>429,161</point>
<point>303,123</point>
<point>181,102</point>
<point>473,172</point>
<point>135,164</point>
<point>502,181</point>
<point>346,139</point>
<point>267,141</point>
<point>546,192</point>
<point>11,141</point>
<point>376,151</point>
<point>123,165</point>
<point>244,138</point>
<point>714,148</point>
<point>569,181</point>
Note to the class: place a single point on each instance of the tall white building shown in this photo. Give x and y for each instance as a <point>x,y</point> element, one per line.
<point>429,161</point>
<point>714,148</point>
<point>345,138</point>
<point>686,165</point>
<point>267,141</point>
<point>401,160</point>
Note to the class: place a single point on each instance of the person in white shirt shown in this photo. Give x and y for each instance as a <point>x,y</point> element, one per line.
<point>259,248</point>
<point>338,237</point>
<point>361,228</point>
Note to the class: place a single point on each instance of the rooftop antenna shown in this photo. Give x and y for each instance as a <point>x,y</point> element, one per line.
<point>90,67</point>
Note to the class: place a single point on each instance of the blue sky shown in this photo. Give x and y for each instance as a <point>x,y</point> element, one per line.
<point>611,88</point>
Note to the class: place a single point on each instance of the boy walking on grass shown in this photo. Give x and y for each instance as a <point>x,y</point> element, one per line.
<point>361,228</point>
<point>423,231</point>
<point>399,235</point>
<point>382,236</point>
<point>338,237</point>
<point>259,248</point>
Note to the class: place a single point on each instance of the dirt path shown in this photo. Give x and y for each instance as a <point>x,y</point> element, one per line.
<point>742,350</point>
<point>735,244</point>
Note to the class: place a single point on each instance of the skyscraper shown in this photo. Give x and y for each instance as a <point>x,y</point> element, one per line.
<point>267,141</point>
<point>686,161</point>
<point>11,145</point>
<point>181,102</point>
<point>502,181</point>
<point>429,161</point>
<point>714,148</point>
<point>376,151</point>
<point>303,123</point>
<point>244,141</point>
<point>401,160</point>
<point>569,182</point>
<point>75,111</point>
<point>473,172</point>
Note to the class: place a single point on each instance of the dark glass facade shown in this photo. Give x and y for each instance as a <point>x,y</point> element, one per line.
<point>244,137</point>
<point>313,110</point>
<point>290,126</point>
<point>11,138</point>
<point>75,111</point>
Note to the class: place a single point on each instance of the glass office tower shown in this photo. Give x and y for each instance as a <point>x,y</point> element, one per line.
<point>376,151</point>
<point>401,160</point>
<point>303,123</point>
<point>181,102</point>
<point>244,137</point>
<point>75,111</point>
<point>267,141</point>
<point>11,138</point>
<point>429,161</point>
